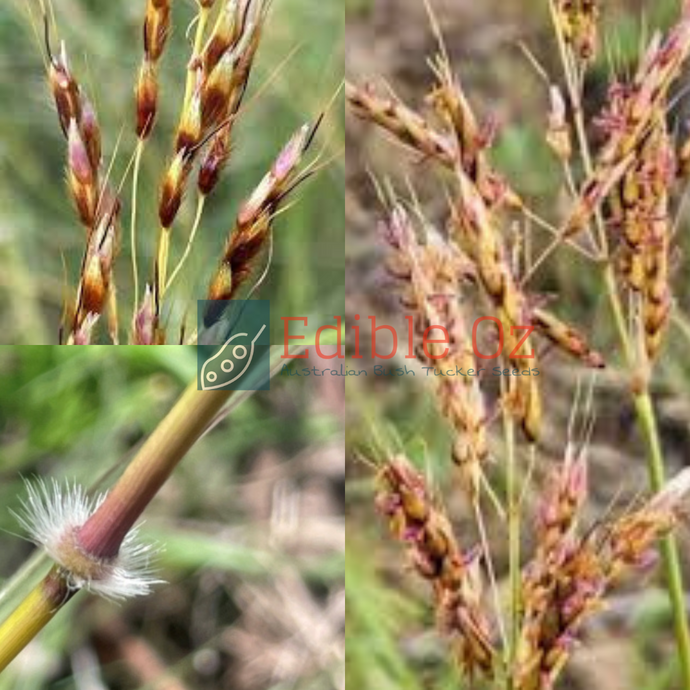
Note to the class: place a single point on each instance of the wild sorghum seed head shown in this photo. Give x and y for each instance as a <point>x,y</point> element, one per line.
<point>566,337</point>
<point>430,271</point>
<point>173,187</point>
<point>253,223</point>
<point>432,548</point>
<point>213,162</point>
<point>52,515</point>
<point>629,112</point>
<point>146,94</point>
<point>91,133</point>
<point>570,574</point>
<point>275,184</point>
<point>189,129</point>
<point>156,28</point>
<point>226,32</point>
<point>65,90</point>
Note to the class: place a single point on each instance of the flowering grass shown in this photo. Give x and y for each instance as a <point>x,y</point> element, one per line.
<point>512,604</point>
<point>51,267</point>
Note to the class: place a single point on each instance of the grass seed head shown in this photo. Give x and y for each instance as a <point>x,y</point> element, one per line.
<point>146,94</point>
<point>213,162</point>
<point>173,187</point>
<point>189,129</point>
<point>405,124</point>
<point>156,28</point>
<point>91,133</point>
<point>434,553</point>
<point>226,32</point>
<point>65,90</point>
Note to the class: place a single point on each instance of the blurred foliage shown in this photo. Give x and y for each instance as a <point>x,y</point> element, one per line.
<point>41,242</point>
<point>79,414</point>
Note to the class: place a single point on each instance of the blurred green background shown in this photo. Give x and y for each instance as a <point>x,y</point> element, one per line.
<point>39,234</point>
<point>250,526</point>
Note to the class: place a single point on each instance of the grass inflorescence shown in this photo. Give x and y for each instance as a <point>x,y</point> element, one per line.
<point>517,615</point>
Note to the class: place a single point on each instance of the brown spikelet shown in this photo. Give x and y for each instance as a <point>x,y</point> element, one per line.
<point>156,28</point>
<point>226,32</point>
<point>146,94</point>
<point>91,134</point>
<point>189,130</point>
<point>214,161</point>
<point>94,287</point>
<point>173,188</point>
<point>245,244</point>
<point>566,337</point>
<point>405,124</point>
<point>221,286</point>
<point>65,90</point>
<point>433,551</point>
<point>216,91</point>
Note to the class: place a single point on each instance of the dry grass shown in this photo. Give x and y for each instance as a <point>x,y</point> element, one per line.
<point>622,181</point>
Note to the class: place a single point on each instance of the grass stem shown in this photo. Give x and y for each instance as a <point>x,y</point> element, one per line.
<point>31,616</point>
<point>190,242</point>
<point>133,222</point>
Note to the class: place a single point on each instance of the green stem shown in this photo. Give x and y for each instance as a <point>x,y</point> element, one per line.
<point>646,418</point>
<point>669,547</point>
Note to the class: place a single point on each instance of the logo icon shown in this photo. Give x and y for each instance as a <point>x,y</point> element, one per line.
<point>234,361</point>
<point>234,352</point>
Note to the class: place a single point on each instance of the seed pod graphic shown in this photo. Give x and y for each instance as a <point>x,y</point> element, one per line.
<point>233,359</point>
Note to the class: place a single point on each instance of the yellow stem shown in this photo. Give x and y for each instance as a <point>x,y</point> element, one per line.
<point>32,615</point>
<point>162,261</point>
<point>190,242</point>
<point>133,222</point>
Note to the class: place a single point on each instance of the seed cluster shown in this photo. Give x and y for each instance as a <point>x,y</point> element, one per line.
<point>226,42</point>
<point>97,205</point>
<point>436,556</point>
<point>430,276</point>
<point>567,579</point>
<point>572,572</point>
<point>456,141</point>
